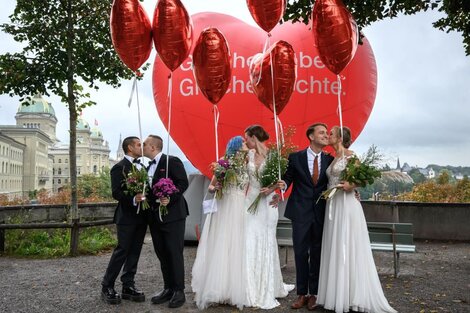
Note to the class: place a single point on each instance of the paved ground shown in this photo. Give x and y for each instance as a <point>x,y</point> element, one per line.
<point>435,279</point>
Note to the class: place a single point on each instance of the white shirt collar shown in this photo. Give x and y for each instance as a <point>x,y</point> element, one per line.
<point>309,150</point>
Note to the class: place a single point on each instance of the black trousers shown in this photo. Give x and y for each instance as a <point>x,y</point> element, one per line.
<point>127,252</point>
<point>168,242</point>
<point>307,239</point>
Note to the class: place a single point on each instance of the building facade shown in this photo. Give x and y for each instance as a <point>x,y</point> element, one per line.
<point>32,158</point>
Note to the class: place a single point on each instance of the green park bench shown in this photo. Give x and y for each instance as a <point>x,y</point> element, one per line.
<point>392,237</point>
<point>388,237</point>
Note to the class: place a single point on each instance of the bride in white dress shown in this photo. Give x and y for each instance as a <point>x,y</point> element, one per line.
<point>218,274</point>
<point>348,276</point>
<point>264,281</point>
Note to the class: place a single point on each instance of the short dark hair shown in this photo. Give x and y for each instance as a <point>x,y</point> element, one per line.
<point>311,128</point>
<point>158,141</point>
<point>128,141</point>
<point>258,132</point>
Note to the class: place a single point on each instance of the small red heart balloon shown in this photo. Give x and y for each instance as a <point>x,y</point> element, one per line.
<point>266,13</point>
<point>335,33</point>
<point>284,65</point>
<point>212,64</point>
<point>131,32</point>
<point>172,32</point>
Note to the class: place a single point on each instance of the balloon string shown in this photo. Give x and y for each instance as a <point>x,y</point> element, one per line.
<point>216,125</point>
<point>170,84</point>
<point>340,110</point>
<point>276,123</point>
<point>135,87</point>
<point>265,48</point>
<point>134,84</point>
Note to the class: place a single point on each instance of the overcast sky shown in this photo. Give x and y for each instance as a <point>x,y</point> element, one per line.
<point>421,112</point>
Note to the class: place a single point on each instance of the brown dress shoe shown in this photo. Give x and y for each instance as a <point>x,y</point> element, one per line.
<point>312,303</point>
<point>300,302</point>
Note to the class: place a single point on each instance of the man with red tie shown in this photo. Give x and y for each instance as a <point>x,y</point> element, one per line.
<point>306,171</point>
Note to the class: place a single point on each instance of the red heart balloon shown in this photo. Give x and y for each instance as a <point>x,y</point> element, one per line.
<point>335,33</point>
<point>266,13</point>
<point>284,66</point>
<point>212,64</point>
<point>131,32</point>
<point>314,97</point>
<point>172,32</point>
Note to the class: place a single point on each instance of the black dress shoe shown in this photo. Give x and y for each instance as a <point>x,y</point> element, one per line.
<point>177,300</point>
<point>133,294</point>
<point>110,295</point>
<point>162,297</point>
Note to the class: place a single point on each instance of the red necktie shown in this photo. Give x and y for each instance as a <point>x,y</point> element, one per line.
<point>315,170</point>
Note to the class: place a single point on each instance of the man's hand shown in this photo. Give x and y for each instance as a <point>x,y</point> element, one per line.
<point>164,201</point>
<point>281,184</point>
<point>139,197</point>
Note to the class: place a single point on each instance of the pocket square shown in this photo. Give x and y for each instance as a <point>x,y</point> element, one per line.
<point>162,170</point>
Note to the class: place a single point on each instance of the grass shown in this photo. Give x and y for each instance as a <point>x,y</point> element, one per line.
<point>56,242</point>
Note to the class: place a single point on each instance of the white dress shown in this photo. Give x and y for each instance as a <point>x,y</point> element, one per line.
<point>264,281</point>
<point>218,274</point>
<point>348,276</point>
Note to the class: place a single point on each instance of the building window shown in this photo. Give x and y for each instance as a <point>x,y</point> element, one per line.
<point>66,180</point>
<point>78,170</point>
<point>66,160</point>
<point>59,171</point>
<point>60,160</point>
<point>95,169</point>
<point>59,181</point>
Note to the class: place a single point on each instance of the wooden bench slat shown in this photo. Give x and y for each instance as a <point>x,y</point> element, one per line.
<point>399,227</point>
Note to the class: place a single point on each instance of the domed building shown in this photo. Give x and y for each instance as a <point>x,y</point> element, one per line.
<point>32,158</point>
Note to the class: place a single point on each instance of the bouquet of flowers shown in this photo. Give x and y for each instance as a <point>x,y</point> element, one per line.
<point>164,188</point>
<point>359,171</point>
<point>136,181</point>
<point>228,169</point>
<point>269,174</point>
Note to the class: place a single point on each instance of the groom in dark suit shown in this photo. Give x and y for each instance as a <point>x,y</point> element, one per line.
<point>307,172</point>
<point>168,230</point>
<point>130,226</point>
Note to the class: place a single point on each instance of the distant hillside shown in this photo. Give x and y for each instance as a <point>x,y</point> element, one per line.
<point>464,170</point>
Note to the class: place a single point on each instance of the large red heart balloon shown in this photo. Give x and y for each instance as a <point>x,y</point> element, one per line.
<point>131,32</point>
<point>314,98</point>
<point>280,58</point>
<point>266,13</point>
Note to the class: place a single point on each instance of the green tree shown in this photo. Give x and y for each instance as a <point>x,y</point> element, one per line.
<point>66,44</point>
<point>95,187</point>
<point>366,12</point>
<point>443,178</point>
<point>417,176</point>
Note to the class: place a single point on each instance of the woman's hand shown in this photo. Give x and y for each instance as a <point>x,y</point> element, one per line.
<point>213,188</point>
<point>265,191</point>
<point>346,186</point>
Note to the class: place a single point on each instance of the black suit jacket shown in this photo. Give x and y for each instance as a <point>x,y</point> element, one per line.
<point>177,208</point>
<point>302,204</point>
<point>126,212</point>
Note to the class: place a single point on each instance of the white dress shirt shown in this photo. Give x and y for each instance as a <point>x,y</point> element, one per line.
<point>310,157</point>
<point>153,167</point>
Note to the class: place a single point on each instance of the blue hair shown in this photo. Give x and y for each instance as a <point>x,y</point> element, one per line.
<point>233,145</point>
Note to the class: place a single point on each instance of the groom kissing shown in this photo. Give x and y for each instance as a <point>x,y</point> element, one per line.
<point>307,172</point>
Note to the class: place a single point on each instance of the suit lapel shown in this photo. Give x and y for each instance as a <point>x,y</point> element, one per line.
<point>324,165</point>
<point>303,159</point>
<point>160,170</point>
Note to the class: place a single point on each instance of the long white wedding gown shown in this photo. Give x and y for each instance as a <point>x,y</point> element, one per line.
<point>262,268</point>
<point>218,274</point>
<point>348,276</point>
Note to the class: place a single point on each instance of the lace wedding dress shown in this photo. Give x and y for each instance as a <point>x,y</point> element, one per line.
<point>264,281</point>
<point>218,274</point>
<point>348,277</point>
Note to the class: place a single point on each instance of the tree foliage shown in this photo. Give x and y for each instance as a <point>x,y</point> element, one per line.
<point>66,44</point>
<point>440,190</point>
<point>367,12</point>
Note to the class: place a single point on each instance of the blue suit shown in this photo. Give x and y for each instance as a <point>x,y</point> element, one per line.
<point>307,218</point>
